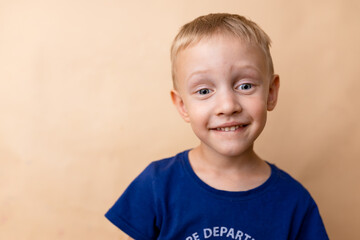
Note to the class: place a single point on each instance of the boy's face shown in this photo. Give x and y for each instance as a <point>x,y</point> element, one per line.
<point>224,90</point>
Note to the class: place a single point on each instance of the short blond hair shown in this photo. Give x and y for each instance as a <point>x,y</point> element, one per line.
<point>220,23</point>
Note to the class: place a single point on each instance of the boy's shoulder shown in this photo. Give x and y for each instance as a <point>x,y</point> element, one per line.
<point>285,177</point>
<point>170,167</point>
<point>178,168</point>
<point>168,188</point>
<point>288,185</point>
<point>168,163</point>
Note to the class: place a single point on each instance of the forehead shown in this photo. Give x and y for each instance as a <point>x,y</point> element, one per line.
<point>217,54</point>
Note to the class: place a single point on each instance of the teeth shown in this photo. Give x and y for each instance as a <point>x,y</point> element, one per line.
<point>228,129</point>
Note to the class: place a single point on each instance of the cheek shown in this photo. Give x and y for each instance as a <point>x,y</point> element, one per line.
<point>257,108</point>
<point>198,114</point>
<point>196,108</point>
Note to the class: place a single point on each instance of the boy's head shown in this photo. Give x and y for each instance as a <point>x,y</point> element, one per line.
<point>224,82</point>
<point>220,24</point>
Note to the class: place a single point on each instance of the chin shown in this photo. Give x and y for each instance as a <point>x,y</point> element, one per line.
<point>234,152</point>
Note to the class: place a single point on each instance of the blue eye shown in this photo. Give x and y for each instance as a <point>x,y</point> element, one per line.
<point>204,91</point>
<point>245,86</point>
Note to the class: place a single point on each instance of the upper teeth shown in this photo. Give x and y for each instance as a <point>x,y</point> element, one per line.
<point>227,129</point>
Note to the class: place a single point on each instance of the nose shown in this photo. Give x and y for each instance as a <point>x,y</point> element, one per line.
<point>228,103</point>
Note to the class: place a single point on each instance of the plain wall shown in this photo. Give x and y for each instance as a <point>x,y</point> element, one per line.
<point>85,106</point>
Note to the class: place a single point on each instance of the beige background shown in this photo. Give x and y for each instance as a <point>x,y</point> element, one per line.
<point>85,106</point>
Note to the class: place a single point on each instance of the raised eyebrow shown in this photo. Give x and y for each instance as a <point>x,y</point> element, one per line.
<point>195,73</point>
<point>247,70</point>
<point>196,79</point>
<point>248,76</point>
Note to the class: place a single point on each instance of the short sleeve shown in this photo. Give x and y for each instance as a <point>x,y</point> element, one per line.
<point>135,211</point>
<point>312,226</point>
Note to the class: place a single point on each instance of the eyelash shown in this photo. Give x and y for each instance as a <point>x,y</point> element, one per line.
<point>247,85</point>
<point>201,91</point>
<point>243,87</point>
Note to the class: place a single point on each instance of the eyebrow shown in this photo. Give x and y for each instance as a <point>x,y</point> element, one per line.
<point>193,80</point>
<point>197,72</point>
<point>198,81</point>
<point>248,69</point>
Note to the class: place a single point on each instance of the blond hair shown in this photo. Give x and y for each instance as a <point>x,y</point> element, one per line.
<point>212,24</point>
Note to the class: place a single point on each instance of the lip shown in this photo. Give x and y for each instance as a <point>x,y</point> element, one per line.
<point>230,126</point>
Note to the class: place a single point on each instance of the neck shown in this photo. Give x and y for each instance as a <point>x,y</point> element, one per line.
<point>208,157</point>
<point>232,173</point>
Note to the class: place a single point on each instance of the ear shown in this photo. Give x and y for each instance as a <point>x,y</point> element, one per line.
<point>180,105</point>
<point>273,92</point>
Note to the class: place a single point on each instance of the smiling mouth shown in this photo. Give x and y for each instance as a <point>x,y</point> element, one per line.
<point>230,129</point>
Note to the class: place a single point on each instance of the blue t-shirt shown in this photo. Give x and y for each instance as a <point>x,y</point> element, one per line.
<point>169,201</point>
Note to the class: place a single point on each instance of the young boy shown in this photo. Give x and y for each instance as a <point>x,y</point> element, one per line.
<point>224,84</point>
